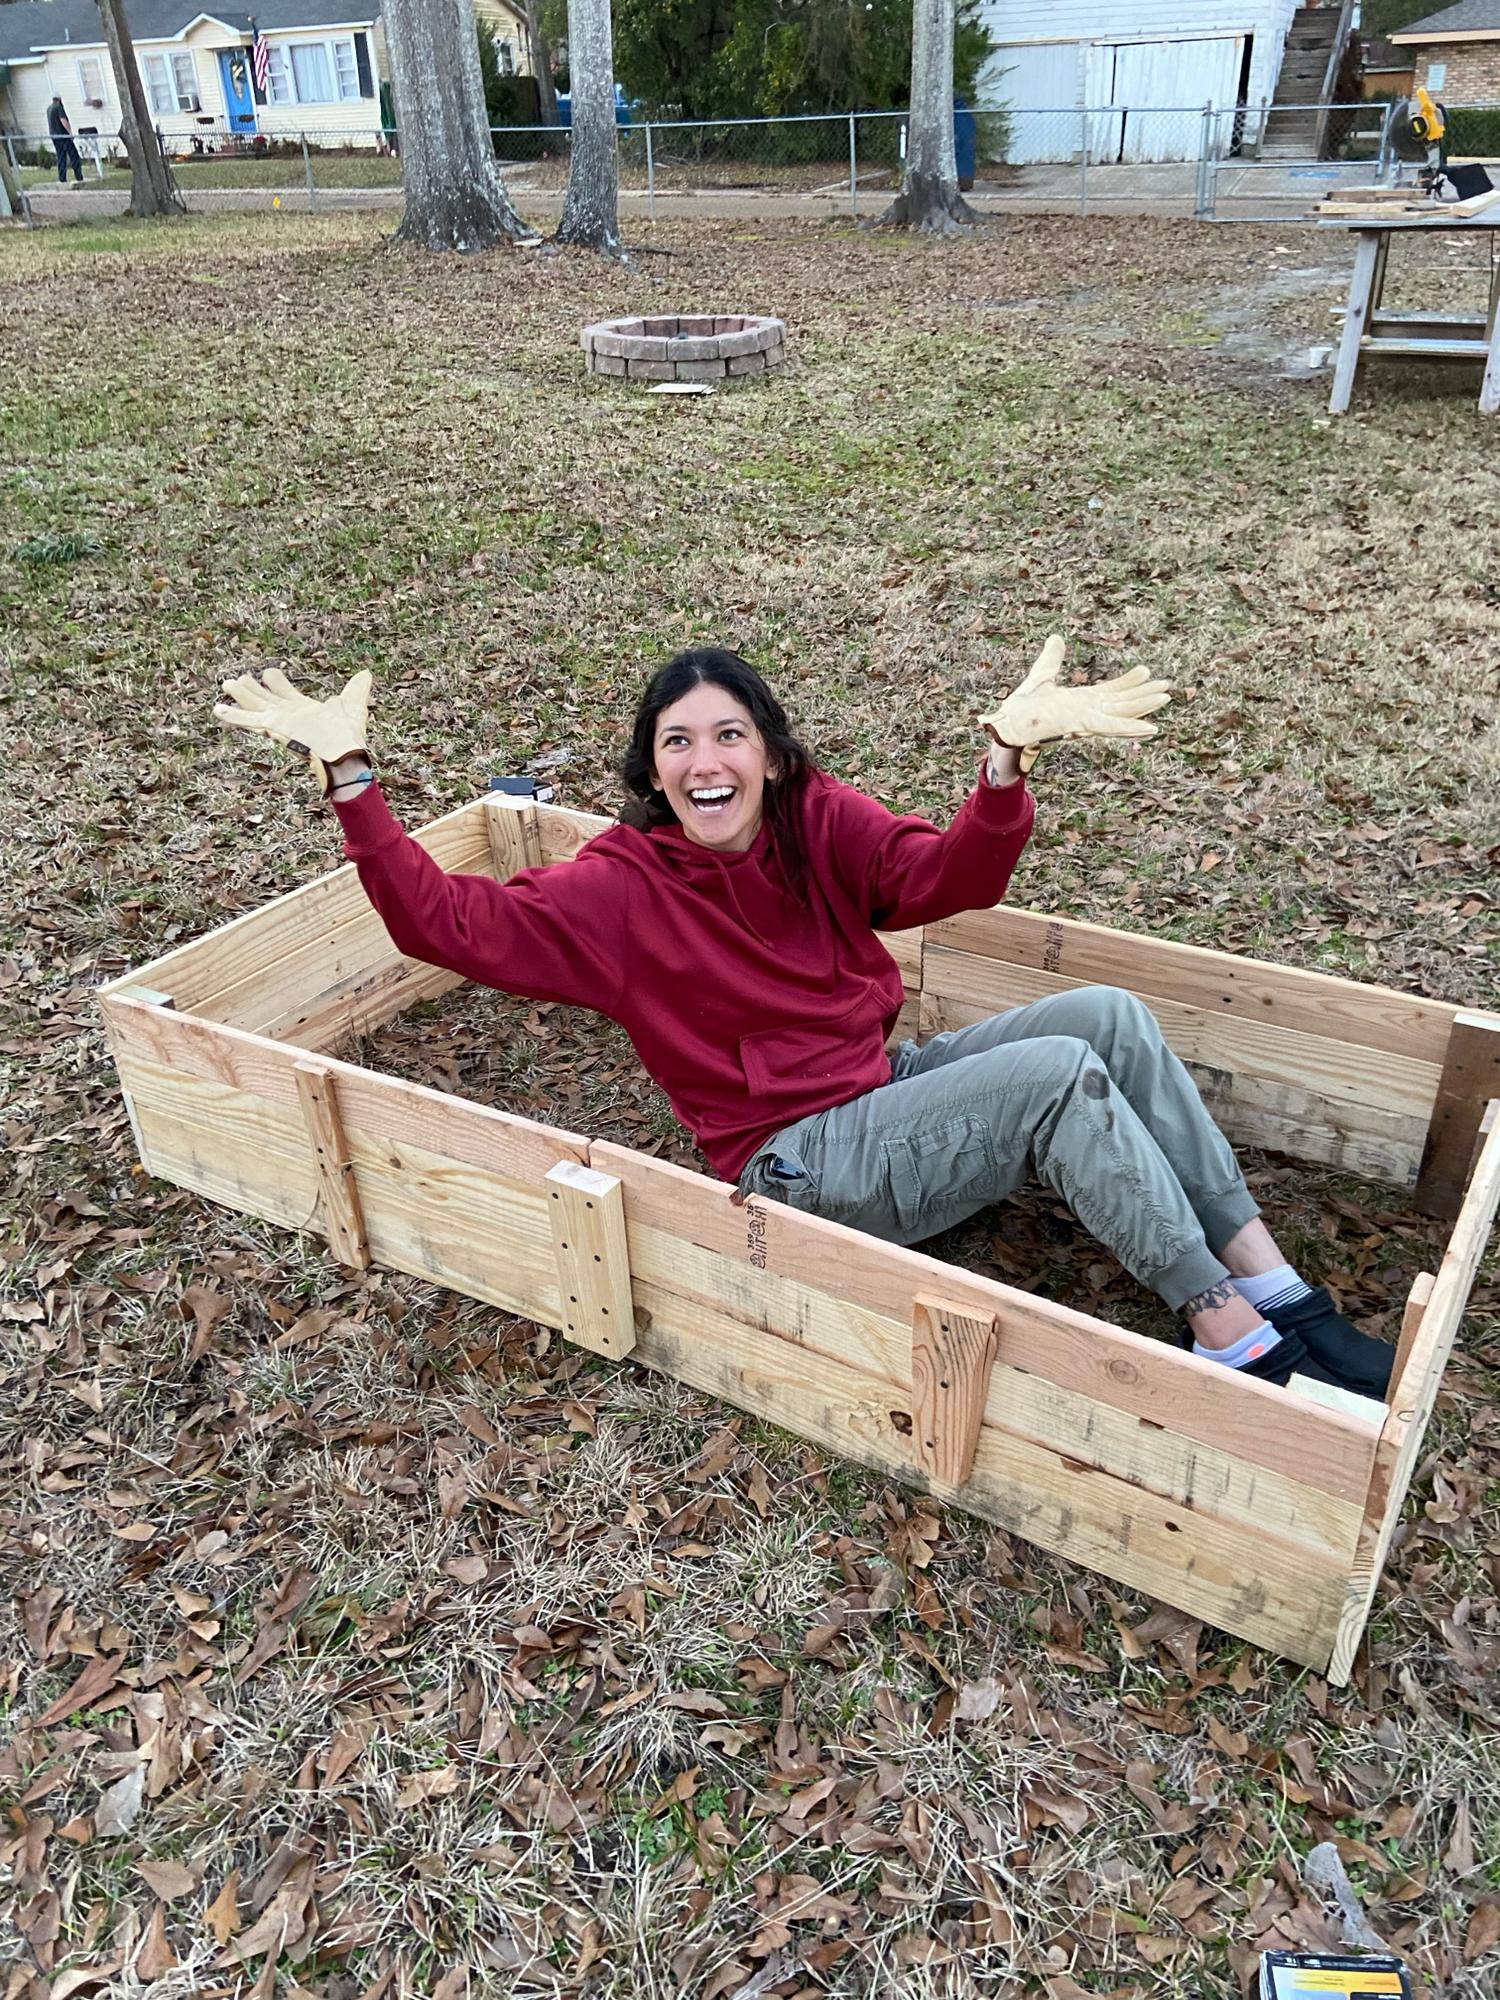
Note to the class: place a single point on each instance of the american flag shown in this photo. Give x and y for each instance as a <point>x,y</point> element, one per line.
<point>260,57</point>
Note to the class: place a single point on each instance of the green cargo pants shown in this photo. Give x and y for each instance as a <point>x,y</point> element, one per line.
<point>1079,1089</point>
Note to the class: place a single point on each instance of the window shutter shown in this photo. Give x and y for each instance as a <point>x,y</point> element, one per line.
<point>362,63</point>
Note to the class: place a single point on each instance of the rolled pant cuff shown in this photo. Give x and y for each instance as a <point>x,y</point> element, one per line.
<point>1223,1216</point>
<point>1196,1270</point>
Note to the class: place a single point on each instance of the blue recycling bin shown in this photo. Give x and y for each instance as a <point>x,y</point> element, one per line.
<point>965,141</point>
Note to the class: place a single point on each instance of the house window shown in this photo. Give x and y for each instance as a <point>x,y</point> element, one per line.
<point>507,58</point>
<point>312,72</point>
<point>91,80</point>
<point>172,83</point>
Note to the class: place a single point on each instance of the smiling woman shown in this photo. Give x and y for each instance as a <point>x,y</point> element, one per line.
<point>730,923</point>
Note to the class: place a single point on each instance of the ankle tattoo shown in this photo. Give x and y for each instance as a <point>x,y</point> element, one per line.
<point>1216,1295</point>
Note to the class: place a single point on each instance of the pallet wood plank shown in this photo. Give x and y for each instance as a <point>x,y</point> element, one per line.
<point>1412,1398</point>
<point>1147,1381</point>
<point>1470,1079</point>
<point>952,1354</point>
<point>341,1209</point>
<point>1313,1003</point>
<point>587,1217</point>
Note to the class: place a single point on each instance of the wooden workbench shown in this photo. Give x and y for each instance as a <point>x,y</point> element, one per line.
<point>1418,335</point>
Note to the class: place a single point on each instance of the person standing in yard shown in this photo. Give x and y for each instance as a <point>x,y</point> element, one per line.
<point>63,143</point>
<point>730,924</point>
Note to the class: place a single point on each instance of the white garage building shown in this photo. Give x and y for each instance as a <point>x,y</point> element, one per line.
<point>1141,68</point>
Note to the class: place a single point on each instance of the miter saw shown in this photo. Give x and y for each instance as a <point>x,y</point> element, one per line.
<point>1419,132</point>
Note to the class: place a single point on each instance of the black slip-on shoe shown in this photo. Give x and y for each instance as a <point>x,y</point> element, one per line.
<point>1352,1359</point>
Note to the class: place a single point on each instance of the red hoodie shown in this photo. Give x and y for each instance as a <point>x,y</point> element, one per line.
<point>750,1005</point>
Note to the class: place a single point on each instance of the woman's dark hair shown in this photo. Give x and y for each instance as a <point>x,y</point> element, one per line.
<point>786,756</point>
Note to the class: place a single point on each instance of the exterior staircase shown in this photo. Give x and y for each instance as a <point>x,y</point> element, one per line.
<point>1314,66</point>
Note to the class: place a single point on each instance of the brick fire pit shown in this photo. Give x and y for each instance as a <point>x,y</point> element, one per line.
<point>689,347</point>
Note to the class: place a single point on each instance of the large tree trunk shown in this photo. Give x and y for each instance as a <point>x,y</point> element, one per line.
<point>591,215</point>
<point>929,199</point>
<point>541,60</point>
<point>455,198</point>
<point>151,188</point>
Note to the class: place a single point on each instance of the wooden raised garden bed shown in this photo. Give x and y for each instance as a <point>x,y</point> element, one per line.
<point>1264,1512</point>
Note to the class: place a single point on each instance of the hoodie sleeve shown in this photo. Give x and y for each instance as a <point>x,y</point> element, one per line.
<point>902,871</point>
<point>546,934</point>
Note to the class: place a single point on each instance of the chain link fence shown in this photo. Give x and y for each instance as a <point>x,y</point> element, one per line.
<point>1238,163</point>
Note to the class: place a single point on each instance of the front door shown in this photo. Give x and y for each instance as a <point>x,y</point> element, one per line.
<point>239,99</point>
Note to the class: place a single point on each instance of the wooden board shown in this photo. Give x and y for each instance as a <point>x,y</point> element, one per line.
<point>769,1263</point>
<point>318,959</point>
<point>1247,989</point>
<point>587,1218</point>
<point>1470,1079</point>
<point>1336,1102</point>
<point>1413,1394</point>
<point>1237,1570</point>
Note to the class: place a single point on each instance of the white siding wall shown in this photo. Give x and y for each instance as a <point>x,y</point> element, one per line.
<point>30,93</point>
<point>1078,22</point>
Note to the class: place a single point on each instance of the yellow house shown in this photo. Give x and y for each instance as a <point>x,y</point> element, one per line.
<point>291,67</point>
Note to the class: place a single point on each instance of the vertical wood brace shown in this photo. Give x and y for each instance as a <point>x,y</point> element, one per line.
<point>1470,1078</point>
<point>150,996</point>
<point>587,1213</point>
<point>952,1354</point>
<point>515,834</point>
<point>342,1214</point>
<point>1411,1322</point>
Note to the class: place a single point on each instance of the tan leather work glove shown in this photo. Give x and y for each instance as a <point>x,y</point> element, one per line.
<point>1039,711</point>
<point>324,731</point>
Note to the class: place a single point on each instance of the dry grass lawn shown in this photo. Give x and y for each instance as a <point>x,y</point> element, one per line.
<point>361,1641</point>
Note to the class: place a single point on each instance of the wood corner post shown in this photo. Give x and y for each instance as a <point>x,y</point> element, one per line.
<point>341,1210</point>
<point>1470,1078</point>
<point>587,1212</point>
<point>952,1355</point>
<point>515,834</point>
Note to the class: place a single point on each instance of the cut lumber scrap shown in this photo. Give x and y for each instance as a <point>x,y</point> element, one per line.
<point>952,1353</point>
<point>340,1197</point>
<point>1474,204</point>
<point>1346,209</point>
<point>1413,1394</point>
<point>587,1218</point>
<point>1470,1078</point>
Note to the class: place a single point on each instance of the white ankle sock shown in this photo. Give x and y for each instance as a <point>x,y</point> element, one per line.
<point>1281,1287</point>
<point>1249,1347</point>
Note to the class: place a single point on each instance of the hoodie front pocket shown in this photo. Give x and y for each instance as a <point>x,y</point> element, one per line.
<point>788,1063</point>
